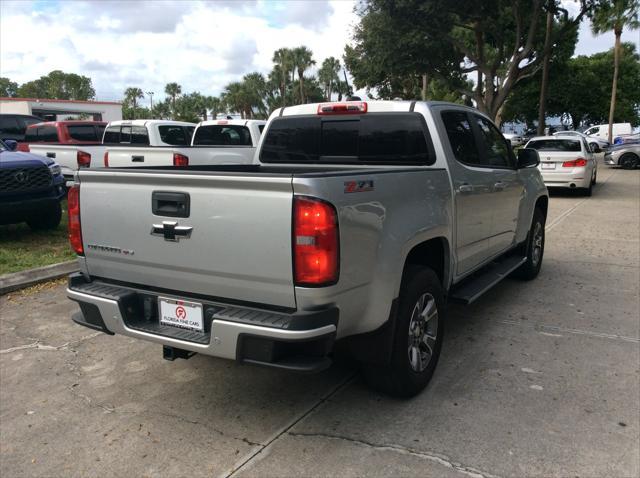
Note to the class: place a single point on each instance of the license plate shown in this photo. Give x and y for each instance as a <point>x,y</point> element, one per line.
<point>180,313</point>
<point>548,165</point>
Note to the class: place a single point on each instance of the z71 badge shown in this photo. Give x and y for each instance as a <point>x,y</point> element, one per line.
<point>358,186</point>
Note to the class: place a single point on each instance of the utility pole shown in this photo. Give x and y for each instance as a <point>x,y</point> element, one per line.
<point>151,93</point>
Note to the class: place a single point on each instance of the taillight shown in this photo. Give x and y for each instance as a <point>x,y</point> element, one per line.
<point>75,231</point>
<point>180,160</point>
<point>349,108</point>
<point>315,242</point>
<point>105,159</point>
<point>576,163</point>
<point>24,147</point>
<point>84,159</point>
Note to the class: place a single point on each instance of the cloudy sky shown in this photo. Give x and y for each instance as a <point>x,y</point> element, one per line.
<point>202,45</point>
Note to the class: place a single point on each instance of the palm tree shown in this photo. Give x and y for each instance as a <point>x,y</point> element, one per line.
<point>215,105</point>
<point>328,75</point>
<point>173,90</point>
<point>283,59</point>
<point>615,15</point>
<point>302,59</point>
<point>131,96</point>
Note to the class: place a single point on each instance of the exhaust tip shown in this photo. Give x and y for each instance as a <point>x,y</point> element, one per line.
<point>572,185</point>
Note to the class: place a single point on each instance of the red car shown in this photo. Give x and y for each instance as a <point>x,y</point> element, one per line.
<point>63,132</point>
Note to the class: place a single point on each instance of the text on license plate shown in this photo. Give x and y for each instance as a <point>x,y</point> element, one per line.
<point>548,165</point>
<point>180,313</point>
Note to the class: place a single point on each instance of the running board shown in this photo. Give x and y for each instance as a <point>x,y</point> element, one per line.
<point>472,288</point>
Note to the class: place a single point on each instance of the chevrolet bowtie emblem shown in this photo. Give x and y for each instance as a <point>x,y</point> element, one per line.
<point>171,231</point>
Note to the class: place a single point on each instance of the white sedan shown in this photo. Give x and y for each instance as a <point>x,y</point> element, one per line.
<point>592,140</point>
<point>566,162</point>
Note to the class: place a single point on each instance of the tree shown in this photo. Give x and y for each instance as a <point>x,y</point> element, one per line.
<point>131,97</point>
<point>499,42</point>
<point>173,90</point>
<point>8,88</point>
<point>615,15</point>
<point>328,76</point>
<point>59,85</point>
<point>283,59</point>
<point>302,59</point>
<point>576,91</point>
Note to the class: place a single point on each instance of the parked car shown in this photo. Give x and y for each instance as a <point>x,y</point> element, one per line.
<point>625,155</point>
<point>214,142</point>
<point>13,126</point>
<point>597,144</point>
<point>627,138</point>
<point>514,139</point>
<point>63,132</point>
<point>356,223</point>
<point>602,130</point>
<point>136,133</point>
<point>566,161</point>
<point>31,188</point>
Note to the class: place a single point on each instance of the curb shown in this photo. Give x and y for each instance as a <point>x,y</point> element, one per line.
<point>22,279</point>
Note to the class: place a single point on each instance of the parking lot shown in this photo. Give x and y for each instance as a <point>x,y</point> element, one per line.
<point>536,379</point>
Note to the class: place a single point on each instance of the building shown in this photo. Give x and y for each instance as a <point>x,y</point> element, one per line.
<point>53,110</point>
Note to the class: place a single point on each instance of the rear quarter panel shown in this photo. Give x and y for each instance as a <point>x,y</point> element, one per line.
<point>378,228</point>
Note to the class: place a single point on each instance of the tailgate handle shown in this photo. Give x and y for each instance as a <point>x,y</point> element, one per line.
<point>169,203</point>
<point>137,159</point>
<point>51,155</point>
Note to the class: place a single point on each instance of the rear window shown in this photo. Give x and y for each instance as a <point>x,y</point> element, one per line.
<point>112,135</point>
<point>31,135</point>
<point>175,135</point>
<point>396,138</point>
<point>569,145</point>
<point>139,135</point>
<point>222,135</point>
<point>84,132</point>
<point>47,134</point>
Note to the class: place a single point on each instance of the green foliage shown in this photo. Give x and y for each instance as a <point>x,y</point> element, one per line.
<point>8,88</point>
<point>614,15</point>
<point>499,42</point>
<point>59,85</point>
<point>579,90</point>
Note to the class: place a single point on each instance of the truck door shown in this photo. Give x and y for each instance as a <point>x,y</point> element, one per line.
<point>473,192</point>
<point>508,187</point>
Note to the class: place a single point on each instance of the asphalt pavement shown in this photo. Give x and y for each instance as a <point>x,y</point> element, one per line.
<point>537,378</point>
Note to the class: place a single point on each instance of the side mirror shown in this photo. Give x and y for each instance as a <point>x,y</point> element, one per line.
<point>595,148</point>
<point>528,158</point>
<point>12,144</point>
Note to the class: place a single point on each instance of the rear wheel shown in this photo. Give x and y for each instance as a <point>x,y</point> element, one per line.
<point>48,218</point>
<point>588,191</point>
<point>533,248</point>
<point>417,339</point>
<point>629,161</point>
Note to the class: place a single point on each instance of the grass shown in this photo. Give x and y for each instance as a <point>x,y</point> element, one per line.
<point>21,248</point>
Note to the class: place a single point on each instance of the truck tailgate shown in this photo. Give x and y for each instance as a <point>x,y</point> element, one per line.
<point>239,247</point>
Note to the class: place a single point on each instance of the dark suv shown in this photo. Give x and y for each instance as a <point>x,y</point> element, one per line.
<point>13,126</point>
<point>31,188</point>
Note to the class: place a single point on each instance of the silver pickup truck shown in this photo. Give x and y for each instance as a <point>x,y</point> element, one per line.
<point>355,225</point>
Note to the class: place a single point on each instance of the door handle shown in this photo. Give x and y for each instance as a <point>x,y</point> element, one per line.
<point>465,188</point>
<point>137,159</point>
<point>169,203</point>
<point>51,155</point>
<point>499,186</point>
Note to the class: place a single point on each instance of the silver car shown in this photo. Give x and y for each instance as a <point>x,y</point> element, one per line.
<point>625,155</point>
<point>566,162</point>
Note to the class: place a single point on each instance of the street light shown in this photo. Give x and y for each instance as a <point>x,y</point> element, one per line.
<point>151,93</point>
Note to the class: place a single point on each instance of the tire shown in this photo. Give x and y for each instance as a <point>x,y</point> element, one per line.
<point>47,219</point>
<point>629,161</point>
<point>411,365</point>
<point>595,179</point>
<point>533,248</point>
<point>588,191</point>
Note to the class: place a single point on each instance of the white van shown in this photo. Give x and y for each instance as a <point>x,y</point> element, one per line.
<point>602,130</point>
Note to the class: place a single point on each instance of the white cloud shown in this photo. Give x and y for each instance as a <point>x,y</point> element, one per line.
<point>201,45</point>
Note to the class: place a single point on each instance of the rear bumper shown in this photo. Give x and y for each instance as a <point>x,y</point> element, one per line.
<point>299,342</point>
<point>577,178</point>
